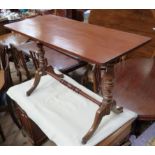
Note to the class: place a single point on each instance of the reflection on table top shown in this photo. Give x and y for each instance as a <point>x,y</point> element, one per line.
<point>92,43</point>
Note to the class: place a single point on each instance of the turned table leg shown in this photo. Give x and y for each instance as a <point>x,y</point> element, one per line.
<point>41,69</point>
<point>107,85</point>
<point>108,102</point>
<point>97,79</point>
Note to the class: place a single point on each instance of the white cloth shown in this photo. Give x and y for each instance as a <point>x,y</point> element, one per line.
<point>62,114</point>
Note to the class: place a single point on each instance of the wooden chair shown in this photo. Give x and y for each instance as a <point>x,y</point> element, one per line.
<point>14,39</point>
<point>19,62</point>
<point>60,61</point>
<point>6,82</point>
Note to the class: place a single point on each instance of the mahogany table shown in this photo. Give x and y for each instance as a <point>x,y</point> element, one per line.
<point>99,45</point>
<point>134,90</point>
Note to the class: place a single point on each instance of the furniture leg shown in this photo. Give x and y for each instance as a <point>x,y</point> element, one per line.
<point>108,103</point>
<point>12,113</point>
<point>37,78</point>
<point>102,111</point>
<point>24,64</point>
<point>41,69</point>
<point>97,79</point>
<point>108,84</point>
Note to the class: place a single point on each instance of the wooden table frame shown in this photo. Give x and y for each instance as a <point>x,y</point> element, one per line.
<point>108,103</point>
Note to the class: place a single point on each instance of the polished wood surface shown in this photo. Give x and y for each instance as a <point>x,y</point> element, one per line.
<point>1,79</point>
<point>119,136</point>
<point>90,42</point>
<point>135,86</point>
<point>138,21</point>
<point>12,38</point>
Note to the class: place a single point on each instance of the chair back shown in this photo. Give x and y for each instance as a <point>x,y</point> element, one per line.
<point>4,65</point>
<point>19,61</point>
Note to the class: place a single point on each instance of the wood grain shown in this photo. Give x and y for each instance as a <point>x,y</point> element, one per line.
<point>138,21</point>
<point>89,42</point>
<point>134,86</point>
<point>118,136</point>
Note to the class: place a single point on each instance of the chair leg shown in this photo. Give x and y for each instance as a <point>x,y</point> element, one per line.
<point>12,113</point>
<point>1,133</point>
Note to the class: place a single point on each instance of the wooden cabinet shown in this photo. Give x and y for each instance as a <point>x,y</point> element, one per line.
<point>76,14</point>
<point>2,29</point>
<point>30,129</point>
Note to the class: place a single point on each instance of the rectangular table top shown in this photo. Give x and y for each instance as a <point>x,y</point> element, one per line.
<point>89,42</point>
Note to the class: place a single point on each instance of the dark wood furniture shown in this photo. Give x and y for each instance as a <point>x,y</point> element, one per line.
<point>20,63</point>
<point>10,40</point>
<point>2,29</point>
<point>29,128</point>
<point>138,21</point>
<point>1,79</point>
<point>37,137</point>
<point>99,45</point>
<point>76,14</point>
<point>1,86</point>
<point>5,83</point>
<point>135,78</point>
<point>54,58</point>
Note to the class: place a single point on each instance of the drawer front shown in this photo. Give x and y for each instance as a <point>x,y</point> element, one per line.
<point>37,137</point>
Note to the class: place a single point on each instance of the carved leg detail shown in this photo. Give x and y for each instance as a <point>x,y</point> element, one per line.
<point>85,78</point>
<point>40,71</point>
<point>50,70</point>
<point>108,103</point>
<point>102,111</point>
<point>97,79</point>
<point>108,84</point>
<point>37,78</point>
